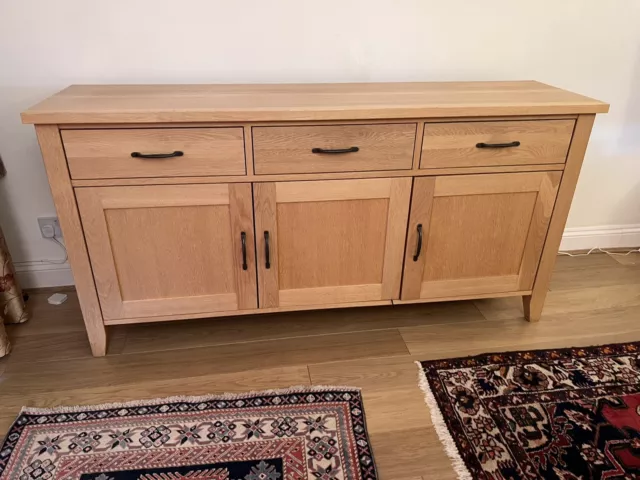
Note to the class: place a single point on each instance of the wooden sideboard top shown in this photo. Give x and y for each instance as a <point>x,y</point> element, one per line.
<point>304,102</point>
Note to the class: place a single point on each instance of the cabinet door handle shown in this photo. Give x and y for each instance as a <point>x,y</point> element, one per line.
<point>335,151</point>
<point>177,153</point>
<point>419,247</point>
<point>498,145</point>
<point>243,239</point>
<point>267,261</point>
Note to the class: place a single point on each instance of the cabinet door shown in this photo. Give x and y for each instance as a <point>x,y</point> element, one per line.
<point>330,242</point>
<point>481,234</point>
<point>171,249</point>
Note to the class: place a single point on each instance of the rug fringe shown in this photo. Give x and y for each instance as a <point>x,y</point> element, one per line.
<point>441,428</point>
<point>191,399</point>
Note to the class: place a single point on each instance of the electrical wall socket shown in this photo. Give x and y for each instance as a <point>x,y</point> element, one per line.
<point>49,222</point>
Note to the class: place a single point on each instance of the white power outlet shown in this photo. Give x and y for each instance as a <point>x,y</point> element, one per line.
<point>49,227</point>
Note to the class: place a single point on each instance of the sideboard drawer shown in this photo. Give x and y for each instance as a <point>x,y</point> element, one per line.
<point>333,148</point>
<point>515,142</point>
<point>154,152</point>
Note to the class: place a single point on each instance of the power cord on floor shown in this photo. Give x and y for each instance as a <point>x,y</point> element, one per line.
<point>601,250</point>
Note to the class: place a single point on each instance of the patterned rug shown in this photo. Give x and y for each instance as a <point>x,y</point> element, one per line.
<point>310,433</point>
<point>554,414</point>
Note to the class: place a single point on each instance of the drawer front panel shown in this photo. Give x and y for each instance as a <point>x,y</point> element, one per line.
<point>95,154</point>
<point>473,144</point>
<point>334,148</point>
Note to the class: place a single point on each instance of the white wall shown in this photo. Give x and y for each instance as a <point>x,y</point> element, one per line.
<point>589,46</point>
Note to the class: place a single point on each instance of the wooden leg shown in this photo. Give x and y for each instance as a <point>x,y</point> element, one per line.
<point>64,198</point>
<point>98,340</point>
<point>533,303</point>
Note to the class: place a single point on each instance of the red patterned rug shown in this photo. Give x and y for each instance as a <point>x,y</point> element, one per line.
<point>310,433</point>
<point>555,414</point>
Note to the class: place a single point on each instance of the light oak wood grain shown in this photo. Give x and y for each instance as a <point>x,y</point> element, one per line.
<point>241,216</point>
<point>334,227</point>
<point>94,154</point>
<point>533,303</point>
<point>469,286</point>
<point>252,311</point>
<point>497,224</point>
<point>456,298</point>
<point>65,202</point>
<point>302,102</point>
<point>336,241</point>
<point>454,144</point>
<point>419,218</point>
<point>481,234</point>
<point>373,121</point>
<point>334,294</point>
<point>145,266</point>
<point>457,185</point>
<point>538,228</point>
<point>289,149</point>
<point>331,243</point>
<point>248,149</point>
<point>164,196</point>
<point>417,148</point>
<point>316,176</point>
<point>265,208</point>
<point>397,218</point>
<point>152,275</point>
<point>326,191</point>
<point>150,307</point>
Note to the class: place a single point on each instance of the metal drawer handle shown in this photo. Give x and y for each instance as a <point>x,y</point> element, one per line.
<point>243,239</point>
<point>419,247</point>
<point>498,145</point>
<point>267,262</point>
<point>334,151</point>
<point>177,153</point>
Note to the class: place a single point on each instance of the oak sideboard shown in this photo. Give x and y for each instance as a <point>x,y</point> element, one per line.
<point>196,201</point>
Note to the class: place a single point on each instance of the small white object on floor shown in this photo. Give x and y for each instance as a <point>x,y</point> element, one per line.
<point>57,299</point>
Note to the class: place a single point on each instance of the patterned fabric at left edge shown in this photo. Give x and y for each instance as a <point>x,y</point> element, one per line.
<point>310,433</point>
<point>12,309</point>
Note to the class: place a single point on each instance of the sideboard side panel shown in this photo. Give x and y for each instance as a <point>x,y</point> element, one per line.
<point>533,303</point>
<point>65,202</point>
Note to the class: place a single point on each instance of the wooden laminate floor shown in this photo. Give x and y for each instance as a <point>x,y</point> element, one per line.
<point>592,300</point>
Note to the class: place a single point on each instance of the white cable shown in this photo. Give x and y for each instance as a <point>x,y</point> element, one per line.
<point>55,262</point>
<point>637,250</point>
<point>569,254</point>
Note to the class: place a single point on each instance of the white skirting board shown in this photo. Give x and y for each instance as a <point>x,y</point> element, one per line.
<point>37,275</point>
<point>608,236</point>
